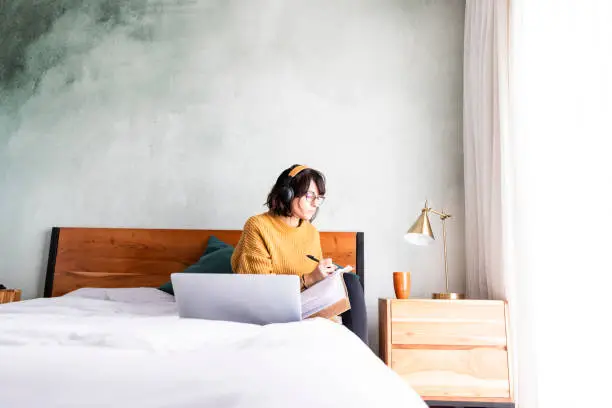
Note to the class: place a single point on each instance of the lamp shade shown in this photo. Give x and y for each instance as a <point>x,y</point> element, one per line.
<point>420,233</point>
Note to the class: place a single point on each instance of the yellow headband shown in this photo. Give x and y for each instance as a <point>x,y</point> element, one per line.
<point>296,170</point>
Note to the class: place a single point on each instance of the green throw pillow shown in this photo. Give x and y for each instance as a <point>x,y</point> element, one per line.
<point>216,259</point>
<point>214,244</point>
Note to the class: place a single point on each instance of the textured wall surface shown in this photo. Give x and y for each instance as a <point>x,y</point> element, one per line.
<point>182,113</point>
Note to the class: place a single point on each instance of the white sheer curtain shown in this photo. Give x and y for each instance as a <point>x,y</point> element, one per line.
<point>542,235</point>
<point>484,122</point>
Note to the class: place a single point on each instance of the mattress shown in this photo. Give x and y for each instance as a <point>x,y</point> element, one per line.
<point>128,348</point>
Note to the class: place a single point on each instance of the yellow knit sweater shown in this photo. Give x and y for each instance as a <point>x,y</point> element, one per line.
<point>269,246</point>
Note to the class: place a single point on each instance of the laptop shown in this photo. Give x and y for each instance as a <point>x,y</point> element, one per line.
<point>245,298</point>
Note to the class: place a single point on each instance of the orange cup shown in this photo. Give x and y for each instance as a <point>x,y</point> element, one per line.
<point>401,284</point>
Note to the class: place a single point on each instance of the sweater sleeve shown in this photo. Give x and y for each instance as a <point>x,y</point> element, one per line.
<point>251,254</point>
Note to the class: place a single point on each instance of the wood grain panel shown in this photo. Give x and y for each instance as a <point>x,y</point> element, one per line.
<point>384,326</point>
<point>456,323</point>
<point>340,246</point>
<point>139,244</point>
<point>476,310</point>
<point>123,257</point>
<point>509,348</point>
<point>477,373</point>
<point>10,295</point>
<point>482,401</point>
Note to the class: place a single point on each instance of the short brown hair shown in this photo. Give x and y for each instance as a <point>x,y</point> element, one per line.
<point>286,188</point>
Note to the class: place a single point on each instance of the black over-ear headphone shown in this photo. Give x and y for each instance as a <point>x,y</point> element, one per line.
<point>287,194</point>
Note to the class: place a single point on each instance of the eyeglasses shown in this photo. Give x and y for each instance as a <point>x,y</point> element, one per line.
<point>314,199</point>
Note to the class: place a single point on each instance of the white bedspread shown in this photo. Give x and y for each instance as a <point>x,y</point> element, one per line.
<point>79,352</point>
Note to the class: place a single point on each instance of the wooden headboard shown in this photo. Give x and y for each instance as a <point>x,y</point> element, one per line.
<point>124,257</point>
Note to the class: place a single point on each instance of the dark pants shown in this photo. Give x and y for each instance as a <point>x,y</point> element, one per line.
<point>355,319</point>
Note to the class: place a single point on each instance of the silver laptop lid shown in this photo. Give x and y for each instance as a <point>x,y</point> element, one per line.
<point>256,299</point>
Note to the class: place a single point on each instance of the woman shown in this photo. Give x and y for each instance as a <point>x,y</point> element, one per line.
<point>277,241</point>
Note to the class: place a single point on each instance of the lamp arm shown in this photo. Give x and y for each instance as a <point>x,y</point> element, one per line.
<point>442,215</point>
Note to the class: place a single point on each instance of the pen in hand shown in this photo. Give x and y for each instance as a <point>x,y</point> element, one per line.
<point>316,260</point>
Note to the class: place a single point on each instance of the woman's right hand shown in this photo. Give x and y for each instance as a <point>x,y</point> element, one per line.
<point>324,268</point>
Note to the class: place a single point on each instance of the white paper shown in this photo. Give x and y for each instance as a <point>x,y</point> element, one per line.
<point>324,293</point>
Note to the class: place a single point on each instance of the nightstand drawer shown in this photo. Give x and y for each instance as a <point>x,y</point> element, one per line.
<point>476,373</point>
<point>448,323</point>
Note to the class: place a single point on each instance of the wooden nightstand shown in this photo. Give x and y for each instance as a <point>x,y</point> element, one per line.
<point>452,352</point>
<point>10,295</point>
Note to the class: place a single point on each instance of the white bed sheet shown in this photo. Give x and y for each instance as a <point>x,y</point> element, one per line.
<point>75,351</point>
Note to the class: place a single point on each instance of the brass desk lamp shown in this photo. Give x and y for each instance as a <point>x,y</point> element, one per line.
<point>421,234</point>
